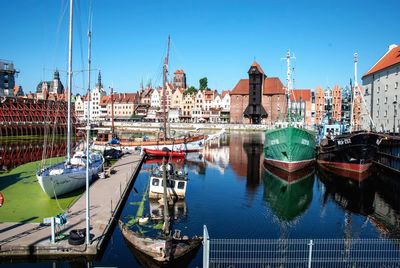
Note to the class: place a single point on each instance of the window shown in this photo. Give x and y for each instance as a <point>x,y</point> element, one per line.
<point>181,185</point>
<point>385,113</point>
<point>387,74</point>
<point>155,182</point>
<point>377,101</point>
<point>386,87</point>
<point>379,89</point>
<point>396,85</point>
<point>385,100</point>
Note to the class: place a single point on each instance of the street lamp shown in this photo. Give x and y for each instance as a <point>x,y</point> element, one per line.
<point>394,117</point>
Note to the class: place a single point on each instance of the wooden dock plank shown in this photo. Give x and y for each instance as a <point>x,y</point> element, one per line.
<point>106,196</point>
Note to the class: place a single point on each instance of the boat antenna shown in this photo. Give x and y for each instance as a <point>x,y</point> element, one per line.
<point>71,3</point>
<point>165,74</point>
<point>166,214</point>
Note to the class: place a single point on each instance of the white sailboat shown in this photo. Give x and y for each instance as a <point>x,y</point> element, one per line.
<point>70,175</point>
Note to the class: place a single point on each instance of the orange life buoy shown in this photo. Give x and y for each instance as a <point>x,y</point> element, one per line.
<point>1,199</point>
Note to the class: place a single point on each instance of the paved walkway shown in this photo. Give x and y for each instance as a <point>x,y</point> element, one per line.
<point>106,195</point>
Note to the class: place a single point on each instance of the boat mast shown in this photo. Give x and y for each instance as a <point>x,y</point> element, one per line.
<point>166,214</point>
<point>71,3</point>
<point>112,110</point>
<point>289,86</point>
<point>87,143</point>
<point>165,74</point>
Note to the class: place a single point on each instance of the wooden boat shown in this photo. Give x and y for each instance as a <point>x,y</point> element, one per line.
<point>162,153</point>
<point>167,248</point>
<point>162,250</point>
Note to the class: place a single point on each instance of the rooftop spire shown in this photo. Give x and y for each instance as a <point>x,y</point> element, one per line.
<point>99,84</point>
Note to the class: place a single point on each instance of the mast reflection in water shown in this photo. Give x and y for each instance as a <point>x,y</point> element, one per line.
<point>231,192</point>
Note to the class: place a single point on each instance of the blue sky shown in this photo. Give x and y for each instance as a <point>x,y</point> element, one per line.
<point>210,38</point>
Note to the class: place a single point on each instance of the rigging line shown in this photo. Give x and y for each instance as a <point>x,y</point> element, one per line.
<point>63,11</point>
<point>80,26</point>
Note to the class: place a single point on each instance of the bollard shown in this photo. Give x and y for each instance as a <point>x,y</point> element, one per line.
<point>310,253</point>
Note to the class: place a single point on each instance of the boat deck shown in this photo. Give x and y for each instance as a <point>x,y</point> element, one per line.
<point>107,197</point>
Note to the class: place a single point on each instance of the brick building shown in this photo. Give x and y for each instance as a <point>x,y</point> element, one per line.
<point>273,100</point>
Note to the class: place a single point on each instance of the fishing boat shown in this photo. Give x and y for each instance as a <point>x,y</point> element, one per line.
<point>351,154</point>
<point>289,146</point>
<point>163,153</point>
<point>165,248</point>
<point>68,176</point>
<point>176,183</point>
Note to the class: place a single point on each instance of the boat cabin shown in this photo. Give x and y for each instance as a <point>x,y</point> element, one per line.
<point>176,184</point>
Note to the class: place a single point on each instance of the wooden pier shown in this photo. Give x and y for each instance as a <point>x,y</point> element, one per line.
<point>107,197</point>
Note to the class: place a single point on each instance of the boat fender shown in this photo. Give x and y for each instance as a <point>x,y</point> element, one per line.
<point>1,199</point>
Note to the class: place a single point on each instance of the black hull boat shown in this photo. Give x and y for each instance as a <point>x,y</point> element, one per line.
<point>350,155</point>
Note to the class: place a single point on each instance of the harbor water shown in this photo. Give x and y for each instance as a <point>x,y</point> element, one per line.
<point>233,193</point>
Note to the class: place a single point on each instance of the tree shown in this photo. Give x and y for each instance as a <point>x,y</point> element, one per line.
<point>203,83</point>
<point>191,90</point>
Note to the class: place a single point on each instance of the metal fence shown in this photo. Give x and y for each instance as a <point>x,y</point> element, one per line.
<point>234,253</point>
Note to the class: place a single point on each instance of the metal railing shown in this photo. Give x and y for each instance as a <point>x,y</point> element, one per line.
<point>300,252</point>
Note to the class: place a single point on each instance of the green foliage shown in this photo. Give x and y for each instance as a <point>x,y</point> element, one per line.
<point>191,90</point>
<point>203,83</point>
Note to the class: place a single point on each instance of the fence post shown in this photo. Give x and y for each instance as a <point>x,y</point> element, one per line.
<point>310,253</point>
<point>206,247</point>
<point>53,230</point>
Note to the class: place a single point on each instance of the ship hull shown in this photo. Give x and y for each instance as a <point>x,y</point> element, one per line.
<point>350,155</point>
<point>290,148</point>
<point>66,179</point>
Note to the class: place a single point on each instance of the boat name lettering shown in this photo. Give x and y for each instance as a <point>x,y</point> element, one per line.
<point>305,142</point>
<point>344,141</point>
<point>275,141</point>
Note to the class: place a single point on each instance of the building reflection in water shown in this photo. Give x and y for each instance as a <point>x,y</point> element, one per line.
<point>376,198</point>
<point>246,157</point>
<point>288,194</point>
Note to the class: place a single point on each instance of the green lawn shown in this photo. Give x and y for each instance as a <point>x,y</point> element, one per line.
<point>24,200</point>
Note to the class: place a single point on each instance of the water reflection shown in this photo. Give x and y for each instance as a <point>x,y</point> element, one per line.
<point>20,151</point>
<point>376,198</point>
<point>288,194</point>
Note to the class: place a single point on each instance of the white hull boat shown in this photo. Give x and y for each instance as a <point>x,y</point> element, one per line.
<point>61,178</point>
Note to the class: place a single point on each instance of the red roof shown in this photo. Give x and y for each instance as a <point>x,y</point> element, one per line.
<point>104,100</point>
<point>179,72</point>
<point>224,92</point>
<point>391,57</point>
<point>255,64</point>
<point>272,85</point>
<point>305,94</point>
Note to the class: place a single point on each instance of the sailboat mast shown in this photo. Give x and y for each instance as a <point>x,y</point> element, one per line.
<point>165,74</point>
<point>87,143</point>
<point>71,3</point>
<point>289,85</point>
<point>353,88</point>
<point>166,214</point>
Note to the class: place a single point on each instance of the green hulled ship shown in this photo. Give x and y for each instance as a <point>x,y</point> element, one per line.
<point>289,146</point>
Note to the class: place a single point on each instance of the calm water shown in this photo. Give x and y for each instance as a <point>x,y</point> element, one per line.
<point>231,192</point>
